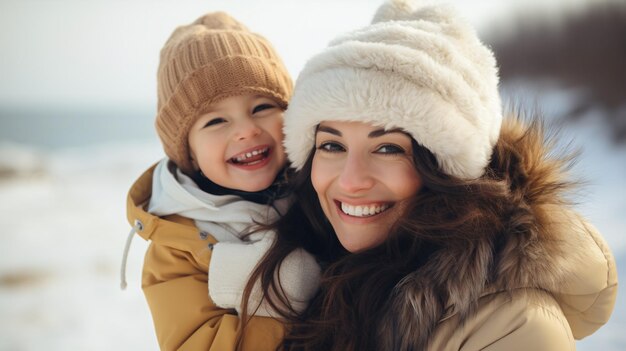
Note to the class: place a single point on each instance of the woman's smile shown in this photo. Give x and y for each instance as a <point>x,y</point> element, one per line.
<point>363,211</point>
<point>363,176</point>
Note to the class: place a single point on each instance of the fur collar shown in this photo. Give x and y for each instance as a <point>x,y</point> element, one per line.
<point>541,245</point>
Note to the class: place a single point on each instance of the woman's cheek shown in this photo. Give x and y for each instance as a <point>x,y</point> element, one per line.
<point>319,173</point>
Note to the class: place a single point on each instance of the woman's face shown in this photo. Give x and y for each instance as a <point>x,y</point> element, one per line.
<point>363,177</point>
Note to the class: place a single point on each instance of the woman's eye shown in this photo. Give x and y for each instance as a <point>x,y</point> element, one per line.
<point>262,107</point>
<point>214,121</point>
<point>390,149</point>
<point>331,147</point>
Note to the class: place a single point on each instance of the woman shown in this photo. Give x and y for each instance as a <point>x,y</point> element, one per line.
<point>438,225</point>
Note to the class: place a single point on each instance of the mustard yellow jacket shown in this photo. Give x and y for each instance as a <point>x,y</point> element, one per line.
<point>174,281</point>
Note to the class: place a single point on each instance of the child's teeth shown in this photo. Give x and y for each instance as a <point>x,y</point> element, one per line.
<point>243,157</point>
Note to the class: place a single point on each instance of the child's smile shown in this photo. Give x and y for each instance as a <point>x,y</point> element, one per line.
<point>251,157</point>
<point>237,143</point>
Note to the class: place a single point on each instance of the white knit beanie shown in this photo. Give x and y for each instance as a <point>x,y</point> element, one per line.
<point>418,67</point>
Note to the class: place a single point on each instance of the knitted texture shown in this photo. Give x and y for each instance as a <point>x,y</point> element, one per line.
<point>208,60</point>
<point>419,67</point>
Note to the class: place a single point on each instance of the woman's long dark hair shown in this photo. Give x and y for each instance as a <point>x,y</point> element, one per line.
<point>355,288</point>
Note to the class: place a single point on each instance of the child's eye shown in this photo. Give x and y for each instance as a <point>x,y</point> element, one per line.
<point>214,121</point>
<point>390,149</point>
<point>331,146</point>
<point>262,107</point>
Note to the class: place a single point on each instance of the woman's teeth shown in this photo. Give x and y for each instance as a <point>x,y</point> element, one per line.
<point>364,210</point>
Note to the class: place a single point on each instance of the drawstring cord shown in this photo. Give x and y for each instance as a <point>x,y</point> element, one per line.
<point>137,227</point>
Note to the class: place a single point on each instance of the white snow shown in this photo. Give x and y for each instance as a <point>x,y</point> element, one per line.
<point>62,232</point>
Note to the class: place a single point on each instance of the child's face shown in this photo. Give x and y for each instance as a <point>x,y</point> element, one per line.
<point>238,143</point>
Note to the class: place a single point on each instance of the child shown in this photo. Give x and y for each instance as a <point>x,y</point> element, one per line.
<point>222,91</point>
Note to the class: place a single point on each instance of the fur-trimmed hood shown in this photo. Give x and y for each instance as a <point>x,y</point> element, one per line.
<point>544,245</point>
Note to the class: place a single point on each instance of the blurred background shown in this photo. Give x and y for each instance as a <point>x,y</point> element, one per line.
<point>77,105</point>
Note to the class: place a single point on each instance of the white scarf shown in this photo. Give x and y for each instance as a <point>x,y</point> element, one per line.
<point>225,217</point>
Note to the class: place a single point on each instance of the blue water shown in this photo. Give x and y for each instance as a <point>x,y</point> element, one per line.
<point>71,126</point>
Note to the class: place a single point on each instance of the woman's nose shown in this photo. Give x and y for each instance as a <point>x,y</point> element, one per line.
<point>356,174</point>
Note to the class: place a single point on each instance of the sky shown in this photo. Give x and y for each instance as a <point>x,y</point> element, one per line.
<point>103,53</point>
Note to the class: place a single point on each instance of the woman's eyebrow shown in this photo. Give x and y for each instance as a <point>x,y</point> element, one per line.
<point>329,130</point>
<point>380,132</point>
<point>373,134</point>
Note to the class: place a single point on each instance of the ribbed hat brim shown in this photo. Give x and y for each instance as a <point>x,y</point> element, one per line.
<point>388,101</point>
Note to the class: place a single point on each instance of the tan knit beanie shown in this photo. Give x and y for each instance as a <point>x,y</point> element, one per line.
<point>212,58</point>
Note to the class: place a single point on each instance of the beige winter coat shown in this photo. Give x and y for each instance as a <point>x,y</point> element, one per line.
<point>546,279</point>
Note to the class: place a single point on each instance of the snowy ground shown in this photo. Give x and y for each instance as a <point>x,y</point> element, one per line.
<point>63,229</point>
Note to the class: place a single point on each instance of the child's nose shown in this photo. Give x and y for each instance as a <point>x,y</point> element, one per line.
<point>247,129</point>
